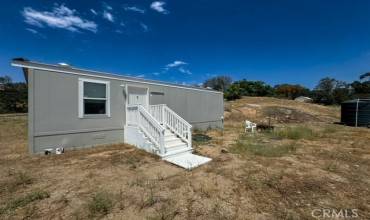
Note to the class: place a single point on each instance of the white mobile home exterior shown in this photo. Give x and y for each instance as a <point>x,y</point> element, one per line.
<point>72,108</point>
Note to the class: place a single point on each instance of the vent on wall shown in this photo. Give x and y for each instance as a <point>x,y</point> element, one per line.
<point>156,93</point>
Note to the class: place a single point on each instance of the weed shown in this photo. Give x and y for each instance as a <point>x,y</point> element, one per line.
<point>330,129</point>
<point>19,179</point>
<point>294,133</point>
<point>101,204</point>
<point>121,200</point>
<point>22,178</point>
<point>30,212</point>
<point>23,201</point>
<point>132,161</point>
<point>248,146</point>
<point>150,199</point>
<point>331,167</point>
<point>166,210</point>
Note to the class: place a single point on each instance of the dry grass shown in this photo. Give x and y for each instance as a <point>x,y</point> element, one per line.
<point>283,174</point>
<point>244,147</point>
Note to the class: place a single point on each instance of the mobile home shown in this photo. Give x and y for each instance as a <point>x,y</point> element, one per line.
<point>73,108</point>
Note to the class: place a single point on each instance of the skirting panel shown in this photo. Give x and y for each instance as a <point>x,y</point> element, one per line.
<point>78,140</point>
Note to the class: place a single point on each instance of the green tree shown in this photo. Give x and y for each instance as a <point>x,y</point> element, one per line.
<point>291,91</point>
<point>331,91</point>
<point>219,83</point>
<point>361,89</point>
<point>233,92</point>
<point>5,79</point>
<point>13,96</point>
<point>254,88</point>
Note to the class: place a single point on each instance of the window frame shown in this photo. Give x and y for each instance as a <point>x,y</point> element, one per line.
<point>81,98</point>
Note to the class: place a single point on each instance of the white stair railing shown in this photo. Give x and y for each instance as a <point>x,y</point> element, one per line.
<point>157,112</point>
<point>173,121</point>
<point>138,115</point>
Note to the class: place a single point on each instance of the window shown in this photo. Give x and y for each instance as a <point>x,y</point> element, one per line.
<point>93,98</point>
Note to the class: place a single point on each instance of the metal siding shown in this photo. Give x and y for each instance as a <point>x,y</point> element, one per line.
<point>56,120</point>
<point>30,111</point>
<point>56,112</point>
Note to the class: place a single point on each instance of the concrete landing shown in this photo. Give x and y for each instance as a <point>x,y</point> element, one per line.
<point>188,160</point>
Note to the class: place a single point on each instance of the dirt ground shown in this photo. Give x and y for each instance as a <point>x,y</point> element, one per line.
<point>307,165</point>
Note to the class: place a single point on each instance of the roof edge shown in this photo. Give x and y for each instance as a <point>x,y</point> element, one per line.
<point>85,72</point>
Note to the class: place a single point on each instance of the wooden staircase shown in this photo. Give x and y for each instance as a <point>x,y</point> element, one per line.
<point>161,131</point>
<point>174,145</point>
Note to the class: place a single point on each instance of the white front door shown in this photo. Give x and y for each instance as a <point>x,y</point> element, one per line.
<point>138,96</point>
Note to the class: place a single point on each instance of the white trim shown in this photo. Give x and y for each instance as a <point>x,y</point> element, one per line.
<point>81,96</point>
<point>126,103</point>
<point>110,77</point>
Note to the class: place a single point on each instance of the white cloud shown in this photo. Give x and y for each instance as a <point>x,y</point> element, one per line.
<point>159,7</point>
<point>156,73</point>
<point>93,11</point>
<point>144,27</point>
<point>36,33</point>
<point>108,7</point>
<point>60,17</point>
<point>183,70</point>
<point>141,75</point>
<point>107,15</point>
<point>135,9</point>
<point>33,31</point>
<point>175,64</point>
<point>179,65</point>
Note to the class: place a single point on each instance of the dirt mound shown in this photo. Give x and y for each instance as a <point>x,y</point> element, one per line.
<point>288,115</point>
<point>265,110</point>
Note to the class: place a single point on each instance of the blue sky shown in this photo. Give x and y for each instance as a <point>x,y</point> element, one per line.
<point>189,41</point>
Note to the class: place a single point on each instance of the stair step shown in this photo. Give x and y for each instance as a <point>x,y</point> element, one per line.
<point>177,152</point>
<point>175,144</point>
<point>169,135</point>
<point>173,141</point>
